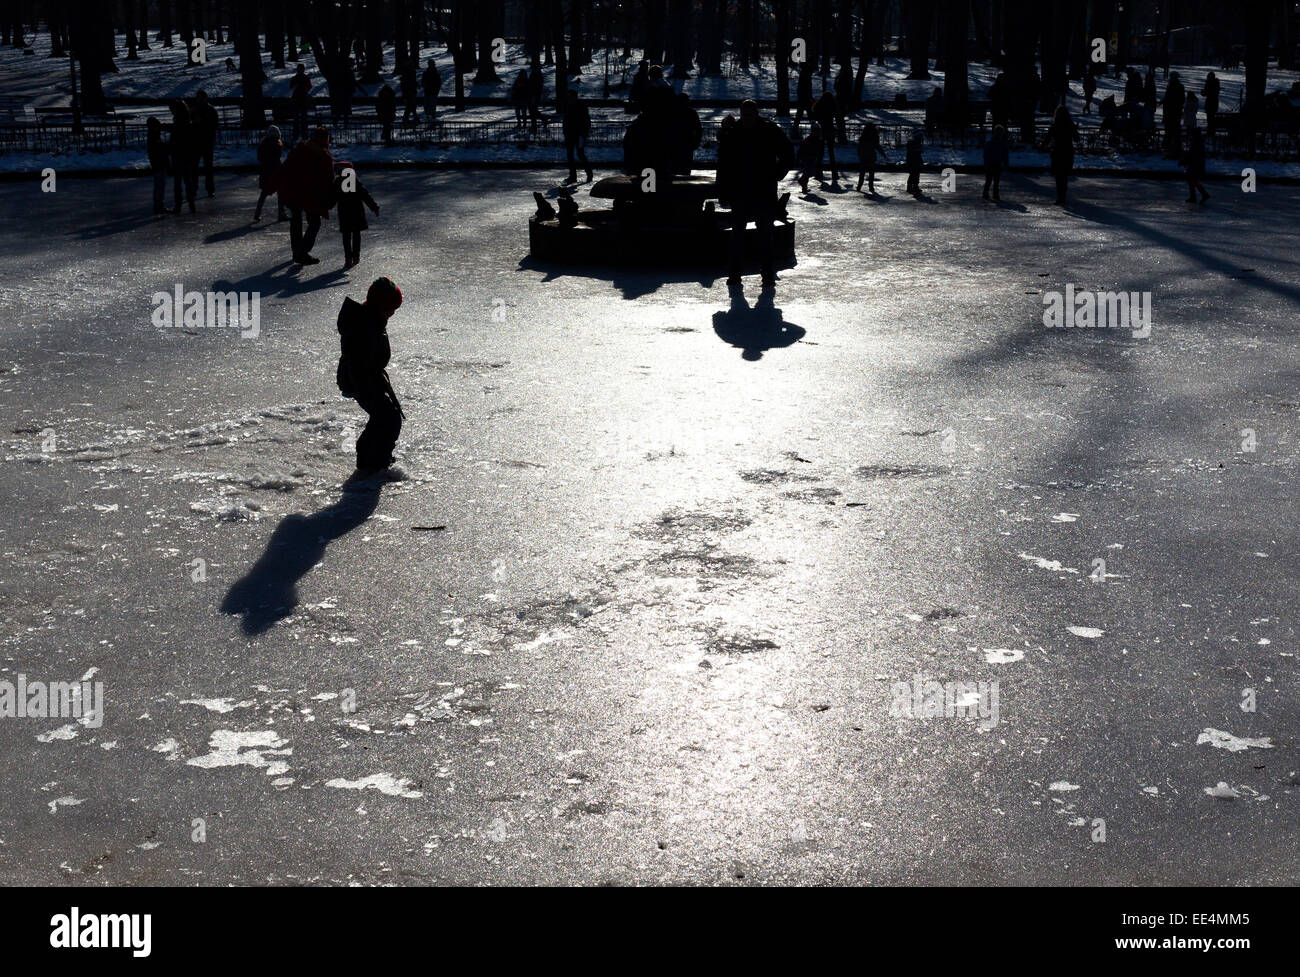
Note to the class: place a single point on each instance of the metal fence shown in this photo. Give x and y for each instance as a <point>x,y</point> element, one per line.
<point>56,135</point>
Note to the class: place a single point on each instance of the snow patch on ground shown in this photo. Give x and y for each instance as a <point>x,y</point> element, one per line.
<point>385,783</point>
<point>1234,744</point>
<point>232,749</point>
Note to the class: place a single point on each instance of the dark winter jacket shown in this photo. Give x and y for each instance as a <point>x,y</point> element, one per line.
<point>363,338</point>
<point>1060,136</point>
<point>811,150</point>
<point>300,90</point>
<point>869,145</point>
<point>159,152</point>
<point>914,151</point>
<point>352,204</point>
<point>1212,94</point>
<point>268,163</point>
<point>824,113</point>
<point>182,144</point>
<point>1194,159</point>
<point>577,124</point>
<point>431,81</point>
<point>751,161</point>
<point>306,178</point>
<point>206,122</point>
<point>1175,96</point>
<point>386,104</point>
<point>996,152</point>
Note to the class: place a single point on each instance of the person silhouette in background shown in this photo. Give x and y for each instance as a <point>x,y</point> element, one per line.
<point>159,157</point>
<point>1060,138</point>
<point>362,374</point>
<point>689,133</point>
<point>803,95</point>
<point>305,182</point>
<point>351,198</point>
<point>185,160</point>
<point>639,81</point>
<point>300,100</point>
<point>997,154</point>
<point>206,123</point>
<point>410,86</point>
<point>1194,161</point>
<point>824,113</point>
<point>536,92</point>
<point>1173,113</point>
<point>809,156</point>
<point>269,151</point>
<point>386,110</point>
<point>519,97</point>
<point>577,129</point>
<point>431,81</point>
<point>1211,93</point>
<point>914,162</point>
<point>868,150</point>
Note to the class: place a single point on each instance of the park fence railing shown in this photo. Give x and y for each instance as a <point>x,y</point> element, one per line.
<point>56,134</point>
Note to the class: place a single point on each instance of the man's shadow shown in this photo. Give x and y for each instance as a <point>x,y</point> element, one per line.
<point>755,330</point>
<point>268,593</point>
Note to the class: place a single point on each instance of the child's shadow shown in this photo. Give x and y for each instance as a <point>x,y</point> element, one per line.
<point>755,331</point>
<point>268,593</point>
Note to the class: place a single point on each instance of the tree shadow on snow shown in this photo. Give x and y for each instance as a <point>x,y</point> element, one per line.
<point>268,593</point>
<point>755,330</point>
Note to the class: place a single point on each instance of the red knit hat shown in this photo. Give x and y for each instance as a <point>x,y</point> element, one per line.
<point>384,295</point>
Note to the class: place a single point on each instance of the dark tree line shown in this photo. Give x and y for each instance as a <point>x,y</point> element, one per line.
<point>690,37</point>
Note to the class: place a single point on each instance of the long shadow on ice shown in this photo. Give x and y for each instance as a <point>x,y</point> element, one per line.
<point>268,593</point>
<point>1210,256</point>
<point>755,330</point>
<point>282,279</point>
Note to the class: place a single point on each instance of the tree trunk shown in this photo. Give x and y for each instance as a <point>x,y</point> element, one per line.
<point>781,10</point>
<point>561,59</point>
<point>920,18</point>
<point>1258,17</point>
<point>1054,47</point>
<point>1123,28</point>
<point>744,16</point>
<point>679,37</point>
<point>575,37</point>
<point>88,22</point>
<point>654,37</point>
<point>374,41</point>
<point>864,51</point>
<point>129,12</point>
<point>956,29</point>
<point>275,32</point>
<point>486,31</point>
<point>532,32</point>
<point>250,65</point>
